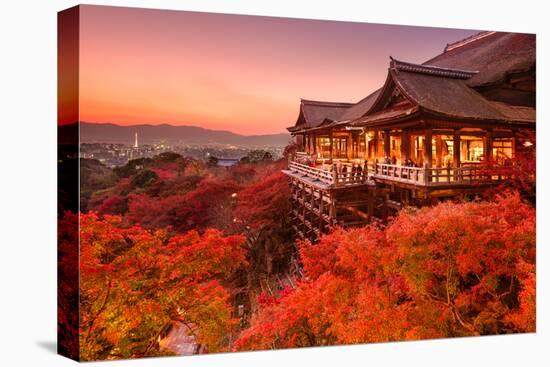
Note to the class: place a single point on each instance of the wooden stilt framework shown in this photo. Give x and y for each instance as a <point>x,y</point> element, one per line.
<point>317,208</point>
<point>312,210</point>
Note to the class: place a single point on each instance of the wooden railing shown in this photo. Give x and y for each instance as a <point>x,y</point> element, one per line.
<point>336,176</point>
<point>301,155</point>
<point>332,177</point>
<point>413,175</point>
<point>470,174</point>
<point>311,172</point>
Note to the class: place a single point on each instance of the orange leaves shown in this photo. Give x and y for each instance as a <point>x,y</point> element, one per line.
<point>320,258</point>
<point>134,281</point>
<point>209,254</point>
<point>449,270</point>
<point>263,203</point>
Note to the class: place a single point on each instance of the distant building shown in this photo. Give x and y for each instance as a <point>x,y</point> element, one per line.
<point>136,145</point>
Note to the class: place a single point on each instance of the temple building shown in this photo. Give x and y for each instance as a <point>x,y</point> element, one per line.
<point>431,132</point>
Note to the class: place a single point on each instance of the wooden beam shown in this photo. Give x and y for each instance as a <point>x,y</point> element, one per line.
<point>321,208</point>
<point>488,145</point>
<point>438,151</point>
<point>405,146</point>
<point>515,143</point>
<point>456,148</point>
<point>387,147</point>
<point>315,145</point>
<point>330,146</point>
<point>428,148</point>
<point>361,214</point>
<point>375,142</point>
<point>357,143</point>
<point>349,143</point>
<point>370,205</point>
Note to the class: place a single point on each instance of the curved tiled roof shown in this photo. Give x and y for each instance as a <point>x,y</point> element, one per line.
<point>360,108</point>
<point>443,85</point>
<point>453,97</point>
<point>492,54</point>
<point>445,92</point>
<point>314,113</point>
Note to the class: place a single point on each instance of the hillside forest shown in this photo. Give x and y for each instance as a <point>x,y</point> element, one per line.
<point>172,239</point>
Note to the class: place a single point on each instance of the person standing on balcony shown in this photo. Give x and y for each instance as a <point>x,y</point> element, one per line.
<point>358,172</point>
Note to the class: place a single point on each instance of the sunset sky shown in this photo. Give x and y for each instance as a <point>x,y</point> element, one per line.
<point>239,73</point>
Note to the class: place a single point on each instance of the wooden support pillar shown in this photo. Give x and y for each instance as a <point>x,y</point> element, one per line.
<point>368,146</point>
<point>330,137</point>
<point>488,145</point>
<point>370,205</point>
<point>456,148</point>
<point>405,146</point>
<point>355,146</point>
<point>515,143</point>
<point>312,204</point>
<point>315,145</point>
<point>375,142</point>
<point>387,147</point>
<point>349,144</point>
<point>438,151</point>
<point>428,148</point>
<point>321,208</point>
<point>332,210</point>
<point>304,201</point>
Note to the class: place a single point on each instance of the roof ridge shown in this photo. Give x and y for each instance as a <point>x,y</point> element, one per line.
<point>431,70</point>
<point>311,101</point>
<point>467,40</point>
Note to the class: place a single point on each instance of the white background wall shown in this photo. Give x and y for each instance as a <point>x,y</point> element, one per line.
<point>28,182</point>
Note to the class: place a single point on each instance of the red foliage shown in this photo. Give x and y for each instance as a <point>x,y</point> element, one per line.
<point>520,171</point>
<point>262,204</point>
<point>67,290</point>
<point>203,207</point>
<point>133,282</point>
<point>449,270</point>
<point>114,204</point>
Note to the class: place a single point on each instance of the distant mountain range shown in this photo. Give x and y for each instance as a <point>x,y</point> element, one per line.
<point>147,134</point>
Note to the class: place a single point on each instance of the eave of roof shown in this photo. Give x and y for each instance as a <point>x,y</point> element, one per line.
<point>431,70</point>
<point>452,97</point>
<point>491,56</point>
<point>314,113</point>
<point>388,115</point>
<point>325,103</point>
<point>494,54</point>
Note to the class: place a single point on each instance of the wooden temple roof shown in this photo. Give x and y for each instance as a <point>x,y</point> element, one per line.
<point>444,86</point>
<point>493,54</point>
<point>360,108</point>
<point>446,92</point>
<point>314,113</point>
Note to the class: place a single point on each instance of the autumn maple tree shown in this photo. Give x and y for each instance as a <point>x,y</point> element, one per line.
<point>171,238</point>
<point>449,270</point>
<point>134,281</point>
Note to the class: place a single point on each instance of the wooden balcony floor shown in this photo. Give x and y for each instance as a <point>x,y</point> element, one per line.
<point>308,180</point>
